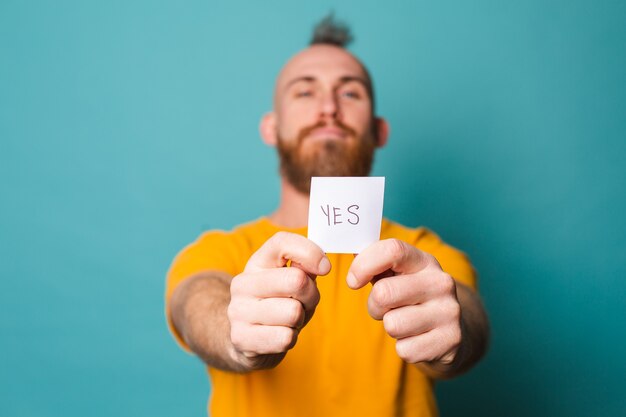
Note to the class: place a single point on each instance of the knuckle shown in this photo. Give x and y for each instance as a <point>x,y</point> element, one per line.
<point>455,312</point>
<point>392,324</point>
<point>295,279</point>
<point>404,352</point>
<point>282,240</point>
<point>455,337</point>
<point>232,312</point>
<point>450,342</point>
<point>285,338</point>
<point>314,300</point>
<point>448,311</point>
<point>395,248</point>
<point>431,260</point>
<point>237,336</point>
<point>279,237</point>
<point>456,343</point>
<point>235,285</point>
<point>243,283</point>
<point>447,284</point>
<point>382,293</point>
<point>294,313</point>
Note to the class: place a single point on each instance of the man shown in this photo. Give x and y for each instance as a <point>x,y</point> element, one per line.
<point>287,330</point>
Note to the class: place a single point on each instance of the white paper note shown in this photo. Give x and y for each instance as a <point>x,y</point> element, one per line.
<point>345,213</point>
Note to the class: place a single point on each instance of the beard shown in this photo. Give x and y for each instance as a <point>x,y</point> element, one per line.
<point>351,156</point>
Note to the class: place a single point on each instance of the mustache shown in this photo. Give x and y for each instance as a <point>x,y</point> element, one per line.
<point>307,130</point>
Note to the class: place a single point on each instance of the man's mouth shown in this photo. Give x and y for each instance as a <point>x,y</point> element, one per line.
<point>327,133</point>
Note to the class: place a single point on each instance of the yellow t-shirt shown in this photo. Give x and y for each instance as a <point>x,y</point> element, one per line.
<point>344,362</point>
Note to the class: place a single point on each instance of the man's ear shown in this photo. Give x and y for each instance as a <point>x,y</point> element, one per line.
<point>267,128</point>
<point>382,131</point>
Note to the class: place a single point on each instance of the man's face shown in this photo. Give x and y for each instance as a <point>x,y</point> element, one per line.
<point>324,120</point>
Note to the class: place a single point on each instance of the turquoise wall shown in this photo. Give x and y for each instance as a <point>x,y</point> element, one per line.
<point>128,127</point>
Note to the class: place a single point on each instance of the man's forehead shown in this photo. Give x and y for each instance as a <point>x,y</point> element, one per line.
<point>321,61</point>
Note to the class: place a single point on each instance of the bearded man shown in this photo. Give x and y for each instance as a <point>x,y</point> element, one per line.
<point>287,330</point>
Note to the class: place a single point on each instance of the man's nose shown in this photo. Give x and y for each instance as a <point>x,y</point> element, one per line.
<point>329,106</point>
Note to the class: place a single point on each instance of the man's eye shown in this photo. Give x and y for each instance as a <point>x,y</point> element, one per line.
<point>350,94</point>
<point>304,93</point>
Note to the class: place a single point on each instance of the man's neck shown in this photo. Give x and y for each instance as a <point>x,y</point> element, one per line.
<point>293,210</point>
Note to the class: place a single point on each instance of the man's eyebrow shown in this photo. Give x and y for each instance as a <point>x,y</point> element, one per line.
<point>342,80</point>
<point>350,78</point>
<point>307,78</point>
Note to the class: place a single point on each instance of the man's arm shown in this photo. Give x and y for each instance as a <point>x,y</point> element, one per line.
<point>250,321</point>
<point>439,324</point>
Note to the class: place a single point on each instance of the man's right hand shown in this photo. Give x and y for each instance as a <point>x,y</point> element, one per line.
<point>270,302</point>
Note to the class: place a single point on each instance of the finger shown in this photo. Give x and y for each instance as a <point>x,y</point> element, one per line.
<point>275,283</point>
<point>269,312</point>
<point>403,290</point>
<point>260,340</point>
<point>409,321</point>
<point>284,247</point>
<point>440,344</point>
<point>380,256</point>
<point>297,265</point>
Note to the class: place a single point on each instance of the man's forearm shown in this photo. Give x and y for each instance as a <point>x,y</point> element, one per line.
<point>198,308</point>
<point>475,337</point>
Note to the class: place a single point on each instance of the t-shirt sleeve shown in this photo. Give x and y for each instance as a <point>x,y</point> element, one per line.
<point>213,251</point>
<point>452,260</point>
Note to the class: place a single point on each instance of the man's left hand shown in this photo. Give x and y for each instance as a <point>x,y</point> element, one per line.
<point>414,298</point>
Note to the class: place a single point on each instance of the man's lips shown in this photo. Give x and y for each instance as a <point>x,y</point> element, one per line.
<point>328,132</point>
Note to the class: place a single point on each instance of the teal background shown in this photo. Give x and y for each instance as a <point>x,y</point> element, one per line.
<point>129,127</point>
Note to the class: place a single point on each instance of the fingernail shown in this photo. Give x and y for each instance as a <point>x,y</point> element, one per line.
<point>351,280</point>
<point>324,266</point>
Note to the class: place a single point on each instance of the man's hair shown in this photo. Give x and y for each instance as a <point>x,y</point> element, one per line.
<point>331,31</point>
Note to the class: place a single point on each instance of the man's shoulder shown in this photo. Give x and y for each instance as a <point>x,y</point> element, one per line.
<point>391,229</point>
<point>421,236</point>
<point>244,235</point>
<point>225,250</point>
<point>251,226</point>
